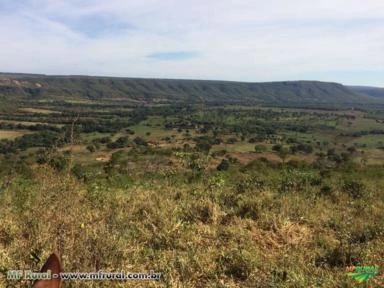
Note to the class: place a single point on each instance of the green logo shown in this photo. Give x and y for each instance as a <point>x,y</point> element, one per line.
<point>363,273</point>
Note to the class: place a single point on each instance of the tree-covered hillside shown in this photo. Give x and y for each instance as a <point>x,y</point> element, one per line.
<point>170,91</point>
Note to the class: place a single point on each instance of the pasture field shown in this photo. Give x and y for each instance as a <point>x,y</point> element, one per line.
<point>36,110</point>
<point>370,141</point>
<point>9,134</point>
<point>209,196</point>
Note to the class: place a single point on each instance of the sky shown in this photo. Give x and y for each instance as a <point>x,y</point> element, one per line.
<point>239,40</point>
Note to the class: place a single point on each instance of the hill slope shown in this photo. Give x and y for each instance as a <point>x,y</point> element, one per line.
<point>368,91</point>
<point>166,91</point>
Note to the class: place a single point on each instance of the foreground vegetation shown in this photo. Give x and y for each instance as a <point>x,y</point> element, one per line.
<point>258,225</point>
<point>208,196</point>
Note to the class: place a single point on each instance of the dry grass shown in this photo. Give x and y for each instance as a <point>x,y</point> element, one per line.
<point>38,110</point>
<point>206,233</point>
<point>10,134</point>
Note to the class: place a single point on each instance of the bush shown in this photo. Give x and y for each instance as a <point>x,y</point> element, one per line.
<point>59,163</point>
<point>302,147</point>
<point>121,142</point>
<point>248,209</point>
<point>232,140</point>
<point>277,147</point>
<point>203,147</point>
<point>91,148</point>
<point>339,257</point>
<point>354,188</point>
<point>326,190</point>
<point>236,264</point>
<point>223,166</point>
<point>204,143</point>
<point>140,141</point>
<point>260,148</point>
<point>79,171</point>
<point>104,140</point>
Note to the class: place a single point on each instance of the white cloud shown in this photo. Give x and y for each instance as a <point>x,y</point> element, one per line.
<point>237,40</point>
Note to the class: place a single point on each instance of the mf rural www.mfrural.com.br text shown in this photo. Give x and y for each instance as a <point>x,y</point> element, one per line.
<point>90,276</point>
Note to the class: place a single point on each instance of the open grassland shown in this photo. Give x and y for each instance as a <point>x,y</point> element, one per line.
<point>37,110</point>
<point>370,140</point>
<point>9,134</point>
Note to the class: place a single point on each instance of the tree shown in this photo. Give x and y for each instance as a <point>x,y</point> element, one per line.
<point>203,147</point>
<point>283,153</point>
<point>204,143</point>
<point>277,147</point>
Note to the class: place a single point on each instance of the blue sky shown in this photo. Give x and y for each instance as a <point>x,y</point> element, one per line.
<point>243,40</point>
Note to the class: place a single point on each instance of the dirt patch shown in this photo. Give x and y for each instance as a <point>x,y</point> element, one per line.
<point>10,134</point>
<point>102,158</point>
<point>40,111</point>
<point>75,148</point>
<point>244,158</point>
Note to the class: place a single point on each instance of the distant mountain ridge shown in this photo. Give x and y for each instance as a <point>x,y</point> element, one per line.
<point>171,90</point>
<point>368,91</point>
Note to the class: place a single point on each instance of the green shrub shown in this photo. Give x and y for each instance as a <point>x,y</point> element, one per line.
<point>140,141</point>
<point>79,171</point>
<point>59,163</point>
